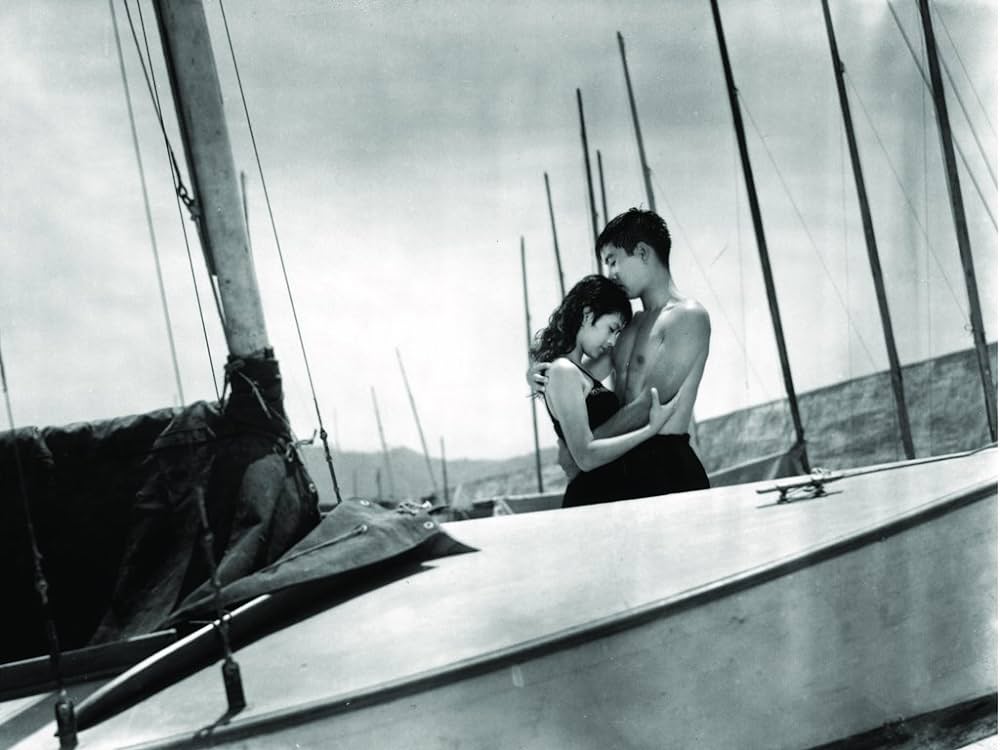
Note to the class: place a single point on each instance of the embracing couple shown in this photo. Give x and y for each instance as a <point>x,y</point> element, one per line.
<point>631,441</point>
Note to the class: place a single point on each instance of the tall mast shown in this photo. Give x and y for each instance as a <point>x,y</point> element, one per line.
<point>416,418</point>
<point>758,227</point>
<point>555,238</point>
<point>600,179</point>
<point>220,214</point>
<point>385,451</point>
<point>527,325</point>
<point>590,182</point>
<point>221,222</point>
<point>638,133</point>
<point>895,370</point>
<point>958,212</point>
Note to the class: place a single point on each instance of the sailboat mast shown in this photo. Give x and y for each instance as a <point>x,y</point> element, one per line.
<point>895,370</point>
<point>385,451</point>
<point>444,472</point>
<point>527,325</point>
<point>638,133</point>
<point>416,418</point>
<point>220,218</point>
<point>590,181</point>
<point>758,227</point>
<point>600,179</point>
<point>958,212</point>
<point>555,238</point>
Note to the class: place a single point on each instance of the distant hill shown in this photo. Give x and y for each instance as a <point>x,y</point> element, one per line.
<point>847,424</point>
<point>361,473</point>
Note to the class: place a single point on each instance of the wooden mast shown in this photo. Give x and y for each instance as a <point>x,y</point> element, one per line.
<point>555,238</point>
<point>527,325</point>
<point>958,212</point>
<point>420,431</point>
<point>638,133</point>
<point>221,223</point>
<point>758,226</point>
<point>590,182</point>
<point>895,370</point>
<point>385,451</point>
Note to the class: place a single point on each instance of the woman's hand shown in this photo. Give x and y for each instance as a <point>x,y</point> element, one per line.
<point>660,413</point>
<point>537,378</point>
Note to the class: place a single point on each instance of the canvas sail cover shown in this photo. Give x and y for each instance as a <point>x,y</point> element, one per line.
<point>116,510</point>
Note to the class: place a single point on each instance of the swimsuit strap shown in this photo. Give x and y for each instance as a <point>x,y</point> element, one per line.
<point>580,367</point>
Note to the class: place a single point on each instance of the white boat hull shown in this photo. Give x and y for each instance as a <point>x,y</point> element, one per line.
<point>713,619</point>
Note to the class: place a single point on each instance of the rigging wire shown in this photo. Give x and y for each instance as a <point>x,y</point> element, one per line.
<point>64,709</point>
<point>737,210</point>
<point>968,78</point>
<point>924,151</point>
<point>180,213</point>
<point>805,227</point>
<point>701,269</point>
<point>958,147</point>
<point>846,248</point>
<point>281,257</point>
<point>954,89</point>
<point>145,202</point>
<point>906,198</point>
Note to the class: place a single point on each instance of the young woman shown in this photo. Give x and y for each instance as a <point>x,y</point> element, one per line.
<point>578,341</point>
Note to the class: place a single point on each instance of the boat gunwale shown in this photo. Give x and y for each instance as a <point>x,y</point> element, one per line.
<point>569,638</point>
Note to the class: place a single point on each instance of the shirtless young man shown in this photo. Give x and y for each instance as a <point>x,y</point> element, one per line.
<point>665,347</point>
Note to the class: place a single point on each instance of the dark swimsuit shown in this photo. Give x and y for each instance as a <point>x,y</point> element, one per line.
<point>658,466</point>
<point>662,465</point>
<point>605,483</point>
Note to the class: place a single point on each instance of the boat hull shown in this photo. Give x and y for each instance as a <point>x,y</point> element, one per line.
<point>810,622</point>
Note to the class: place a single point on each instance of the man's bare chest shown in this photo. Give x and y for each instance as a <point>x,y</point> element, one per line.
<point>636,360</point>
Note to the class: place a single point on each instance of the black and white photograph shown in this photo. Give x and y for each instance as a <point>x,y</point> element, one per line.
<point>499,375</point>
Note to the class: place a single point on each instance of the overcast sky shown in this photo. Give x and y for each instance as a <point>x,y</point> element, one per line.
<point>404,146</point>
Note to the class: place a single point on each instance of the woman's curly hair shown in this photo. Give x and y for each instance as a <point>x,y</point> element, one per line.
<point>596,293</point>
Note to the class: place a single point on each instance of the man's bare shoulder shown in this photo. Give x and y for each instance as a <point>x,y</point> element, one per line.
<point>687,316</point>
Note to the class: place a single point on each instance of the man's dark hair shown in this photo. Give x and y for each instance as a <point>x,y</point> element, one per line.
<point>634,226</point>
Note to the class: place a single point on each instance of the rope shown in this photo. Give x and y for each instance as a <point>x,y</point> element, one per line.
<point>65,712</point>
<point>177,195</point>
<point>145,202</point>
<point>805,228</point>
<point>281,257</point>
<point>235,697</point>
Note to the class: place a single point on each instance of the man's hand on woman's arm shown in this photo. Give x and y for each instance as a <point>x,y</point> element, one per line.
<point>537,377</point>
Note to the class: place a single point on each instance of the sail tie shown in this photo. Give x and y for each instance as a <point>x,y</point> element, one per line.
<point>231,679</point>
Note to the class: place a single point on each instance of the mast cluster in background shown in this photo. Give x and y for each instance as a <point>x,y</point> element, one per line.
<point>934,83</point>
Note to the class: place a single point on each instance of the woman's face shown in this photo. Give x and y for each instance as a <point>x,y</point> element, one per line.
<point>599,335</point>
